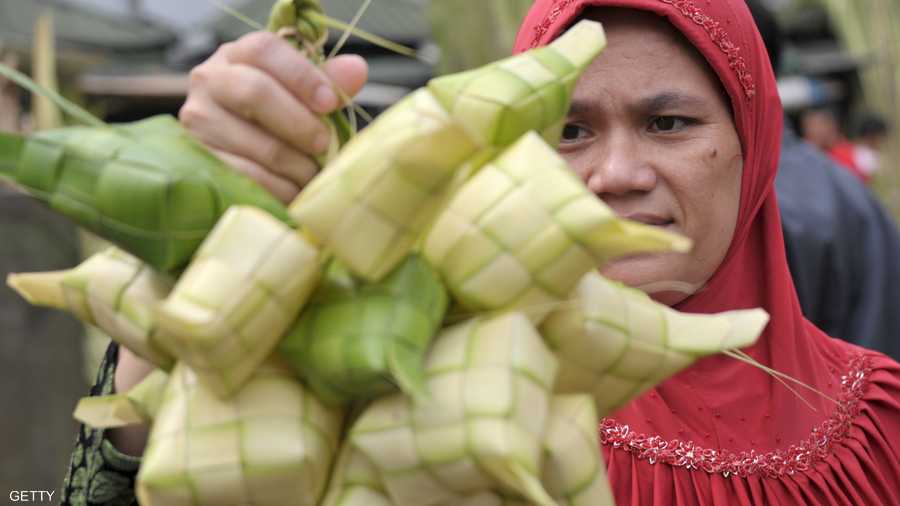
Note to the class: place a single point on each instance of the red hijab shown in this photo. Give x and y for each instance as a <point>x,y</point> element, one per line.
<point>720,415</point>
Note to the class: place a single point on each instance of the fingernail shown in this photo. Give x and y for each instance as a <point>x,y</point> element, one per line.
<point>324,99</point>
<point>321,143</point>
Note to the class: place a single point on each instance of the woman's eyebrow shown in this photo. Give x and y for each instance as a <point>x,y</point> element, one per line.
<point>649,105</point>
<point>669,100</point>
<point>577,107</point>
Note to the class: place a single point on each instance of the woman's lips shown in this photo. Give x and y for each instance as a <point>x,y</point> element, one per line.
<point>650,219</point>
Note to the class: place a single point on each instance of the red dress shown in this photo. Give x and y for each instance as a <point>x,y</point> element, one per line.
<point>723,432</point>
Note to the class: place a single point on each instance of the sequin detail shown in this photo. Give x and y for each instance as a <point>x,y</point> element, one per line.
<point>797,458</point>
<point>555,10</point>
<point>687,8</point>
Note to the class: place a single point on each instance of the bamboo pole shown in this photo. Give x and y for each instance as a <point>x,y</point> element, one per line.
<point>885,20</point>
<point>43,65</point>
<point>47,115</point>
<point>10,111</point>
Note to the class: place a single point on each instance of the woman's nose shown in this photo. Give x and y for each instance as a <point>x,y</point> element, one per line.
<point>619,168</point>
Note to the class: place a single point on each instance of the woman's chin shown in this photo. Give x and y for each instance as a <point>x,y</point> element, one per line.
<point>654,274</point>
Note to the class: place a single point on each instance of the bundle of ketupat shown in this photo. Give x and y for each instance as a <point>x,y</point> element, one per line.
<point>316,365</point>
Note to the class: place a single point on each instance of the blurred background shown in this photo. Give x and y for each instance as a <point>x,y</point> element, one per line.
<point>128,59</point>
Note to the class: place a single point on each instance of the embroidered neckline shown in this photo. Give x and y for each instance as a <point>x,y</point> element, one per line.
<point>797,458</point>
<point>716,33</point>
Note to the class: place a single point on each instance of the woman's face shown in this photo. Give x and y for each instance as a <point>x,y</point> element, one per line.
<point>651,133</point>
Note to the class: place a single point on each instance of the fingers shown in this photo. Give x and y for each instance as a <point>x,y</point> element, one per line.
<point>348,73</point>
<point>297,74</point>
<point>281,188</point>
<point>220,129</point>
<point>258,103</point>
<point>256,97</point>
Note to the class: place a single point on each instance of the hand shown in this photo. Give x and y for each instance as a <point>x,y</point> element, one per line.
<point>130,370</point>
<point>257,104</point>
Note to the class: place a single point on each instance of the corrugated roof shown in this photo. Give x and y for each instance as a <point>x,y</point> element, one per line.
<point>151,74</point>
<point>81,28</point>
<point>398,20</point>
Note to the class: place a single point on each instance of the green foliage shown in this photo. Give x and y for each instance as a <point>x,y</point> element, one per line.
<point>473,33</point>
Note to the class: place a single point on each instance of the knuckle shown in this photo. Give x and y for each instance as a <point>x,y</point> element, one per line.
<point>317,128</point>
<point>291,194</point>
<point>256,45</point>
<point>192,113</point>
<point>270,152</point>
<point>223,51</point>
<point>305,170</point>
<point>248,91</point>
<point>285,190</point>
<point>200,75</point>
<point>302,76</point>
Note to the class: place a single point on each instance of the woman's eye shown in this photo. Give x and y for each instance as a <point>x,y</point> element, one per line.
<point>668,123</point>
<point>572,132</point>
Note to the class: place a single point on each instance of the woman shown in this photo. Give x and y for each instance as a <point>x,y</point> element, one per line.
<point>677,124</point>
<point>721,432</point>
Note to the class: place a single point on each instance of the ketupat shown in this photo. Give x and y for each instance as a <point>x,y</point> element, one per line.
<point>490,498</point>
<point>573,469</point>
<point>372,202</point>
<point>136,406</point>
<point>392,178</point>
<point>355,481</point>
<point>482,425</point>
<point>270,444</point>
<point>111,290</point>
<point>522,232</point>
<point>574,472</point>
<point>148,186</point>
<point>243,289</point>
<point>356,340</point>
<point>616,342</point>
<point>500,102</point>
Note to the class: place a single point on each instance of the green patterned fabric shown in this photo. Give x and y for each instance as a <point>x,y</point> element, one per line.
<point>98,473</point>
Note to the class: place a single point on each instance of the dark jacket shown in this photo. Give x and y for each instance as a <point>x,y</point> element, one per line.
<point>842,247</point>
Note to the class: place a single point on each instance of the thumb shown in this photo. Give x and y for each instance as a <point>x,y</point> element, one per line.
<point>348,72</point>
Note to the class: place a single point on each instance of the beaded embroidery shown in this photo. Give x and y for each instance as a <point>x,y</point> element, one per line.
<point>687,8</point>
<point>555,10</point>
<point>799,457</point>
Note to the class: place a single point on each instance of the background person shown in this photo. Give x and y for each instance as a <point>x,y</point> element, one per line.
<point>842,245</point>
